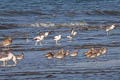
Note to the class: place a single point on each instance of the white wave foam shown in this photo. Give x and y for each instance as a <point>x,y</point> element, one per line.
<point>49,24</point>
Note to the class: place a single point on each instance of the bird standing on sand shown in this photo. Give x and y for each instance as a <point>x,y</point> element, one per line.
<point>109,28</point>
<point>57,38</point>
<point>6,42</point>
<point>39,39</point>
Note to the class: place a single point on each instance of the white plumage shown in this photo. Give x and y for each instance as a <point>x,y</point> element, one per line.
<point>73,33</point>
<point>70,37</point>
<point>46,34</point>
<point>6,56</point>
<point>109,28</point>
<point>57,38</point>
<point>39,39</point>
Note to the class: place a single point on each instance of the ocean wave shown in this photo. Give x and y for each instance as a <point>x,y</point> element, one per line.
<point>49,24</point>
<point>66,13</point>
<point>46,25</point>
<point>18,13</point>
<point>103,12</point>
<point>80,25</point>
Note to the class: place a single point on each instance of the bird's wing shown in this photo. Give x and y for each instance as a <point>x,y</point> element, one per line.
<point>3,55</point>
<point>55,37</point>
<point>37,37</point>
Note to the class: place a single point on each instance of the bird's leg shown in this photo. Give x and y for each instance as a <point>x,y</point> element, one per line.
<point>40,43</point>
<point>56,41</point>
<point>107,33</point>
<point>42,40</point>
<point>27,40</point>
<point>70,39</point>
<point>105,54</point>
<point>15,61</point>
<point>36,43</point>
<point>4,63</point>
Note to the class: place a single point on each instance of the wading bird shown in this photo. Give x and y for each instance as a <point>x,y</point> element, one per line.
<point>6,56</point>
<point>73,33</point>
<point>60,54</point>
<point>75,53</point>
<point>50,55</point>
<point>108,28</point>
<point>46,34</point>
<point>39,39</point>
<point>57,38</point>
<point>6,42</point>
<point>21,56</point>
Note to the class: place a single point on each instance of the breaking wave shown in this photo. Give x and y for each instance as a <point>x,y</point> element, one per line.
<point>80,25</point>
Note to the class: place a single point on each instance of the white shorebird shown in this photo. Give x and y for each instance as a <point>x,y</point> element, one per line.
<point>73,33</point>
<point>57,38</point>
<point>6,56</point>
<point>70,37</point>
<point>39,39</point>
<point>109,28</point>
<point>46,34</point>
